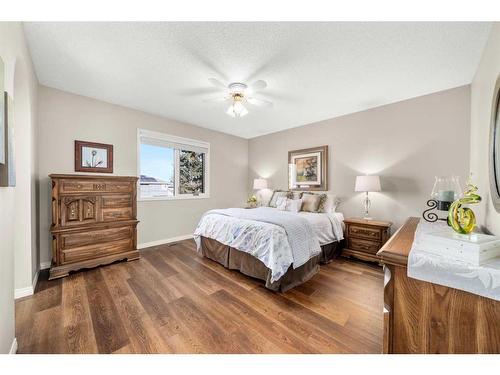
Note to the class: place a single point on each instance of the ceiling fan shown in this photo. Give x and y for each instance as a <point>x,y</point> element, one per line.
<point>238,94</point>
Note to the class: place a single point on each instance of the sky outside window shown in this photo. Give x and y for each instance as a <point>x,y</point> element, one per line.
<point>157,162</point>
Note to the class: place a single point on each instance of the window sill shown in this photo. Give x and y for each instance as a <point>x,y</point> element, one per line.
<point>180,198</point>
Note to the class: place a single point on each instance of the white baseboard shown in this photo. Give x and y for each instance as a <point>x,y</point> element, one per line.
<point>35,280</point>
<point>45,265</point>
<point>29,290</point>
<point>23,292</point>
<point>164,241</point>
<point>13,347</point>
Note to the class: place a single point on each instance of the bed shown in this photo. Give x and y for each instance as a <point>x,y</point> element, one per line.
<point>282,248</point>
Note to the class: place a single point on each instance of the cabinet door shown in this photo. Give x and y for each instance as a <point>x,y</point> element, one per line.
<point>78,210</point>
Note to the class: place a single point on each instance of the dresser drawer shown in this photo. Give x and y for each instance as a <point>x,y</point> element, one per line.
<point>95,243</point>
<point>363,245</point>
<point>114,214</point>
<point>365,232</point>
<point>75,186</point>
<point>96,250</point>
<point>79,239</point>
<point>117,201</point>
<point>117,207</point>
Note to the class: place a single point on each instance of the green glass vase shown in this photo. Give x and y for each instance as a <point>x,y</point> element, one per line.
<point>462,219</point>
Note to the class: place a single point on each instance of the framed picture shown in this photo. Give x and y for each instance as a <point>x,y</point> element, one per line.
<point>7,168</point>
<point>2,116</point>
<point>93,157</point>
<point>308,169</point>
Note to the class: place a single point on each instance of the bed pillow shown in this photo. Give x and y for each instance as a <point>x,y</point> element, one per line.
<point>321,203</point>
<point>310,202</point>
<point>281,203</point>
<point>276,195</point>
<point>294,205</point>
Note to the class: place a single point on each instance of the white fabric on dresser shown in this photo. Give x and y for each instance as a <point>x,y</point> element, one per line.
<point>483,280</point>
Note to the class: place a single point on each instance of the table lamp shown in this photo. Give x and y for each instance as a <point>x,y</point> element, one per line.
<point>367,184</point>
<point>259,183</point>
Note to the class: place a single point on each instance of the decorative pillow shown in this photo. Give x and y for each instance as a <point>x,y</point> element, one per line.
<point>296,194</point>
<point>281,203</point>
<point>322,201</point>
<point>276,195</point>
<point>310,202</point>
<point>294,205</point>
<point>331,203</point>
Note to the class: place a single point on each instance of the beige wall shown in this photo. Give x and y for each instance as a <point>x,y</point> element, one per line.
<point>24,120</point>
<point>481,105</point>
<point>17,235</point>
<point>64,117</point>
<point>406,143</point>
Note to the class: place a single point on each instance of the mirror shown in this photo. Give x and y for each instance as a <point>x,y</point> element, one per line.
<point>495,148</point>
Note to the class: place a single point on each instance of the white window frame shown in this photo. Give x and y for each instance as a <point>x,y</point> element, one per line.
<point>175,139</point>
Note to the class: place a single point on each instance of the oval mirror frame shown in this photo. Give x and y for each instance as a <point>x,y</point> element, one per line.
<point>494,150</point>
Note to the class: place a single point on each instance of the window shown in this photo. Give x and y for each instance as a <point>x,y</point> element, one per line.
<point>171,167</point>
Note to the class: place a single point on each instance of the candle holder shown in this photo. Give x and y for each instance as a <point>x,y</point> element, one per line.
<point>444,192</point>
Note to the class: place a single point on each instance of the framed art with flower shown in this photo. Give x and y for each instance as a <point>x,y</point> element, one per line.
<point>308,169</point>
<point>93,157</point>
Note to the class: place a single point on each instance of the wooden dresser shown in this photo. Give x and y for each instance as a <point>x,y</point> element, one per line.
<point>421,317</point>
<point>365,237</point>
<point>94,221</point>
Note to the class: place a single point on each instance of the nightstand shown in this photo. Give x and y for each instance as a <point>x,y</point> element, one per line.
<point>365,237</point>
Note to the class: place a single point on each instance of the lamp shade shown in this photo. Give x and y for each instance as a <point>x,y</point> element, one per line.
<point>259,183</point>
<point>367,183</point>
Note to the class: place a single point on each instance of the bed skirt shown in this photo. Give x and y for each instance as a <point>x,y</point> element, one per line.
<point>235,259</point>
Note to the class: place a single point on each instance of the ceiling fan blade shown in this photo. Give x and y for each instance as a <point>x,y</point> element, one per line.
<point>204,91</point>
<point>257,86</point>
<point>217,100</point>
<point>217,83</point>
<point>260,102</point>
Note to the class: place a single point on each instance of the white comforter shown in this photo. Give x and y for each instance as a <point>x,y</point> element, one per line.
<point>260,233</point>
<point>327,227</point>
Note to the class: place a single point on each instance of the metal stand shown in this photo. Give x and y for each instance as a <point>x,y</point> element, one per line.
<point>429,216</point>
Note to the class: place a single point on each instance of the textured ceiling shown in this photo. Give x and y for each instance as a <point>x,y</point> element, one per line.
<point>314,71</point>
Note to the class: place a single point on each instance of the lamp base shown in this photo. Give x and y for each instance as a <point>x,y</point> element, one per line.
<point>366,206</point>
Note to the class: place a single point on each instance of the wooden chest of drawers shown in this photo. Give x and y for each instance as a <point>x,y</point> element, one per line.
<point>94,221</point>
<point>365,237</point>
<point>422,317</point>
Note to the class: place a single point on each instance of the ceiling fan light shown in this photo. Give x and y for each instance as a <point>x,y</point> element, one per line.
<point>230,111</point>
<point>237,110</point>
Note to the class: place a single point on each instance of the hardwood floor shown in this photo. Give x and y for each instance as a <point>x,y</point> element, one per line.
<point>173,301</point>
